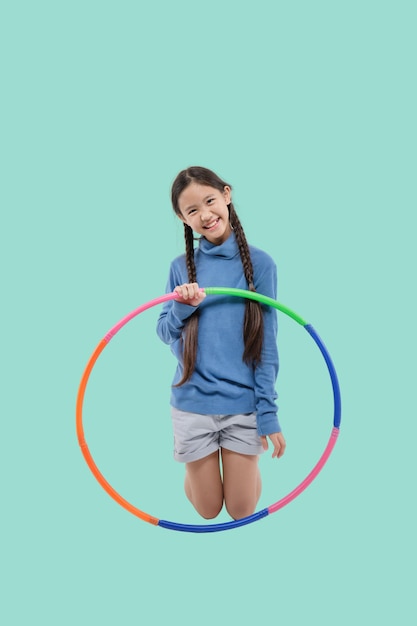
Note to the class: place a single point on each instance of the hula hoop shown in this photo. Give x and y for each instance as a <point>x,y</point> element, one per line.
<point>204,528</point>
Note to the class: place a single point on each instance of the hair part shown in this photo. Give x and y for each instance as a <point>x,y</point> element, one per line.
<point>253,329</point>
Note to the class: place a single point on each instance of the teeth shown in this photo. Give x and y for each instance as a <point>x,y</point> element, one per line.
<point>212,224</point>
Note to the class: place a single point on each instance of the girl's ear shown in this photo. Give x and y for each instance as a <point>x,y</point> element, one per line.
<point>227,194</point>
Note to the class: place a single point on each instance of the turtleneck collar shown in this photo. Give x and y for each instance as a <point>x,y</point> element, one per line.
<point>228,249</point>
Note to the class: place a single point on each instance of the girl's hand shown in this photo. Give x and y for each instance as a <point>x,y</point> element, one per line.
<point>190,293</point>
<point>278,441</point>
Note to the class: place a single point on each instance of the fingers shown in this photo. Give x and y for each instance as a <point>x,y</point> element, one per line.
<point>278,442</point>
<point>190,293</point>
<point>279,445</point>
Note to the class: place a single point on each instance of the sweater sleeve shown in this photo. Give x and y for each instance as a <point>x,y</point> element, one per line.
<point>266,372</point>
<point>174,314</point>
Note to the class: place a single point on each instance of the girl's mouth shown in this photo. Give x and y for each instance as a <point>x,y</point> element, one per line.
<point>212,224</point>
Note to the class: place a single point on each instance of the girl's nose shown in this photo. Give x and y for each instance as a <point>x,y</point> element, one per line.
<point>205,216</point>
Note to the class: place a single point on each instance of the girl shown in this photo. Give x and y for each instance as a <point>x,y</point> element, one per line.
<point>223,395</point>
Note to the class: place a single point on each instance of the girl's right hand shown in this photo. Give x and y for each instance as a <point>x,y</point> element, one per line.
<point>190,293</point>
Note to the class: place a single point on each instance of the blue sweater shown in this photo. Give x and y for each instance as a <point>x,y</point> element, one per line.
<point>222,384</point>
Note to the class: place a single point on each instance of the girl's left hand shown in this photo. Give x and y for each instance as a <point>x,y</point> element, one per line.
<point>278,441</point>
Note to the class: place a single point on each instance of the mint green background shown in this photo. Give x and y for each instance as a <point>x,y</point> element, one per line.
<point>308,110</point>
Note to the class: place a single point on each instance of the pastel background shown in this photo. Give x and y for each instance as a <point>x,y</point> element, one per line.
<point>308,110</point>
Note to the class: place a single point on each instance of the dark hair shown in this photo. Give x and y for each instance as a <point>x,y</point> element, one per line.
<point>253,320</point>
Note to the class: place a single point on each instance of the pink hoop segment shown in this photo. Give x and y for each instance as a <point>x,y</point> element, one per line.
<point>148,305</point>
<point>312,475</point>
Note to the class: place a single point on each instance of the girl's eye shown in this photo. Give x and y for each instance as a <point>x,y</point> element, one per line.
<point>210,200</point>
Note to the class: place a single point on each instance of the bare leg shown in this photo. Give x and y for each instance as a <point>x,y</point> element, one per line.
<point>203,485</point>
<point>241,483</point>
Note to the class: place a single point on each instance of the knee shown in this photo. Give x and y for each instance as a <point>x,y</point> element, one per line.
<point>239,510</point>
<point>208,510</point>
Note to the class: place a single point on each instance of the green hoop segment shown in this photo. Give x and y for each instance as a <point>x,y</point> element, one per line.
<point>252,295</point>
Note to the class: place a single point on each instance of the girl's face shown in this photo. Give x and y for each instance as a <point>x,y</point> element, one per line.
<point>205,210</point>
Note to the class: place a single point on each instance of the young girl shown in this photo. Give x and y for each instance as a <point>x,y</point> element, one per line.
<point>223,394</point>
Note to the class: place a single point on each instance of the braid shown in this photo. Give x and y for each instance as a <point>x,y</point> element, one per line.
<point>190,331</point>
<point>189,253</point>
<point>243,247</point>
<point>253,328</point>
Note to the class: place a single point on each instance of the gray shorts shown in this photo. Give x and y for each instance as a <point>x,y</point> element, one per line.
<point>197,436</point>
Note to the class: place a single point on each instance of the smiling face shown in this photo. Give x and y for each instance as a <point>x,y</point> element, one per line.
<point>205,210</point>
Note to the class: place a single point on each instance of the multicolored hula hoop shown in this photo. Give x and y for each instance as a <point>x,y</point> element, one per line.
<point>204,528</point>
